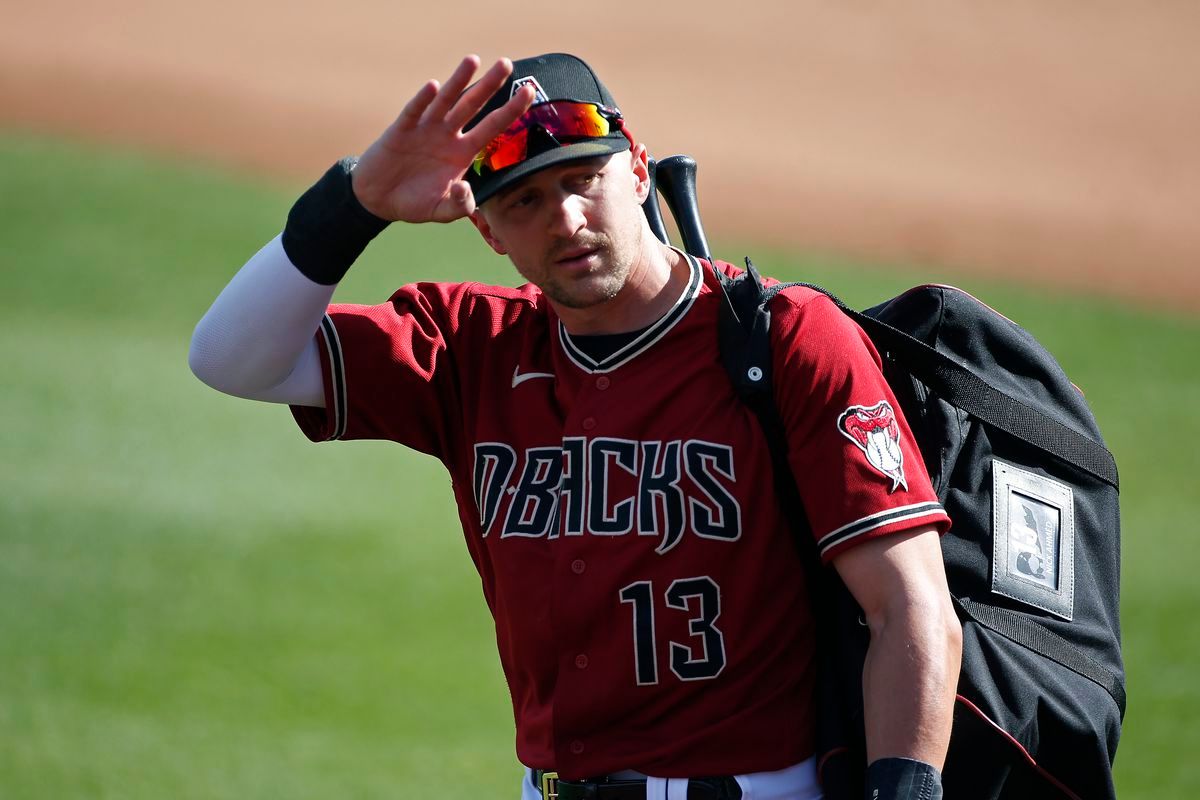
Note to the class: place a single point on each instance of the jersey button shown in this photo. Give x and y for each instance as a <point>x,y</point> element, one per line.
<point>603,382</point>
<point>577,747</point>
<point>589,423</point>
<point>578,566</point>
<point>581,661</point>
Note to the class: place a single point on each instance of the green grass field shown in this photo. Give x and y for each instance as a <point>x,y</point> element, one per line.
<point>195,602</point>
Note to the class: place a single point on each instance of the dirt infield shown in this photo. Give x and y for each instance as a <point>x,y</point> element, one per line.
<point>1050,142</point>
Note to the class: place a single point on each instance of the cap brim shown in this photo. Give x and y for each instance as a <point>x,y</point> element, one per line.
<point>558,155</point>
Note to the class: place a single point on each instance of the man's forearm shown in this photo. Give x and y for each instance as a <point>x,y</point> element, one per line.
<point>909,683</point>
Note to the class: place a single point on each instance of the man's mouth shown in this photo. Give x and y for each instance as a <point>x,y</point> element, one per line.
<point>575,255</point>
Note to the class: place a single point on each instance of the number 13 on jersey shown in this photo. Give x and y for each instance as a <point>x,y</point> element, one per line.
<point>701,658</point>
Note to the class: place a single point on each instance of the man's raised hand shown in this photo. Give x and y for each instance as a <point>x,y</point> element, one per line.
<point>413,172</point>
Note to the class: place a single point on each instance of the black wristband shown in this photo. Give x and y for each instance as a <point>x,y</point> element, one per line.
<point>327,228</point>
<point>903,779</point>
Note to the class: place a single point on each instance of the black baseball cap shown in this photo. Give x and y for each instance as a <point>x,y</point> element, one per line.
<point>556,76</point>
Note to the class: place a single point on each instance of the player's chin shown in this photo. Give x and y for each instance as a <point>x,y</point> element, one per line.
<point>585,292</point>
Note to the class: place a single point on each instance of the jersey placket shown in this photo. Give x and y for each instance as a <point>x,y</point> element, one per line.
<point>596,522</point>
<point>577,595</point>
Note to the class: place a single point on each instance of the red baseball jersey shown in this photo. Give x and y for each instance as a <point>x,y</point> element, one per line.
<point>649,602</point>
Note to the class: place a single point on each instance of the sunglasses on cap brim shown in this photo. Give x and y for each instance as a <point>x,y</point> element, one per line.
<point>563,121</point>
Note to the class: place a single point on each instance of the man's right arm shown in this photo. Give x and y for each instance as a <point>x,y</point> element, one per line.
<point>258,339</point>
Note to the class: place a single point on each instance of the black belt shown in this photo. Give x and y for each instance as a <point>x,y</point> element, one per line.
<point>552,788</point>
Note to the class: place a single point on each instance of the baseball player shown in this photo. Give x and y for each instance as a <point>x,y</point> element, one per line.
<point>615,496</point>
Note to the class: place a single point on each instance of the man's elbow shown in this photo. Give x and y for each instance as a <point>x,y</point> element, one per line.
<point>214,367</point>
<point>200,360</point>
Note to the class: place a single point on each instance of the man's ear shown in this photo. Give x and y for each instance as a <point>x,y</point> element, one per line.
<point>485,230</point>
<point>639,163</point>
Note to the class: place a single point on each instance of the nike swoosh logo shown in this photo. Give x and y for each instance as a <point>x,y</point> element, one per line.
<point>518,378</point>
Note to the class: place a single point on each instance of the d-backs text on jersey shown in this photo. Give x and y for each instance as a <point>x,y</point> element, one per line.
<point>608,487</point>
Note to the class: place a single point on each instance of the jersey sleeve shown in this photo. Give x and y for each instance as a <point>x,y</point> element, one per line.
<point>857,466</point>
<point>389,370</point>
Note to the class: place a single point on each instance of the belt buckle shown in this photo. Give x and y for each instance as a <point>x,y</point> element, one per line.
<point>549,786</point>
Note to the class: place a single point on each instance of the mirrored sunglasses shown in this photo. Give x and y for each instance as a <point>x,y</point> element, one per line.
<point>564,121</point>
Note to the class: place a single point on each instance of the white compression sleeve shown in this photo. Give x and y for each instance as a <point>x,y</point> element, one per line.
<point>257,339</point>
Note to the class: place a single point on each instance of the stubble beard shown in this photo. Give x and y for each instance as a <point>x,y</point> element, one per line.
<point>597,286</point>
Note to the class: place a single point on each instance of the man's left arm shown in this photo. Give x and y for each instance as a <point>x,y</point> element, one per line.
<point>911,672</point>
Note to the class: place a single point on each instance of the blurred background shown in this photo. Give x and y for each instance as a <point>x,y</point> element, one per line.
<point>195,602</point>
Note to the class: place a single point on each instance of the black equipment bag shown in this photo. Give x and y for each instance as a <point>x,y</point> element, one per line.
<point>1032,558</point>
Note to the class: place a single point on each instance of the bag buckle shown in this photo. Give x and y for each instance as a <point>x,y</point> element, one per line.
<point>549,786</point>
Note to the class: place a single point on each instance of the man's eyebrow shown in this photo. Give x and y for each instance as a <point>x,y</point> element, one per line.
<point>594,162</point>
<point>591,162</point>
<point>508,190</point>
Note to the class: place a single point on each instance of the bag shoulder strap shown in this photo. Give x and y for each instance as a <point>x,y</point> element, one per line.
<point>744,337</point>
<point>970,392</point>
<point>954,382</point>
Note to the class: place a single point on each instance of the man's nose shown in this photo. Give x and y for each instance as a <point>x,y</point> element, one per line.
<point>567,216</point>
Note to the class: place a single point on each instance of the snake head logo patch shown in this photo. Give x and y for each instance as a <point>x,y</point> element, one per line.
<point>874,431</point>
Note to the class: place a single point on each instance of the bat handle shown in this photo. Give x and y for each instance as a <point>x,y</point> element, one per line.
<point>651,208</point>
<point>676,176</point>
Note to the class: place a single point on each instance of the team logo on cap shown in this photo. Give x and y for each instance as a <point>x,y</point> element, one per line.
<point>874,431</point>
<point>540,95</point>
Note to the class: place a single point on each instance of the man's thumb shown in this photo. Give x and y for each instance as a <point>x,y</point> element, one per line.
<point>463,197</point>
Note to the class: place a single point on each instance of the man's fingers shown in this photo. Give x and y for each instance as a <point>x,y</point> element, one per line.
<point>477,96</point>
<point>494,123</point>
<point>410,115</point>
<point>453,87</point>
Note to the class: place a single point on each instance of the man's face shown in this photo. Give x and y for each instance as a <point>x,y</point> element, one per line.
<point>573,230</point>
